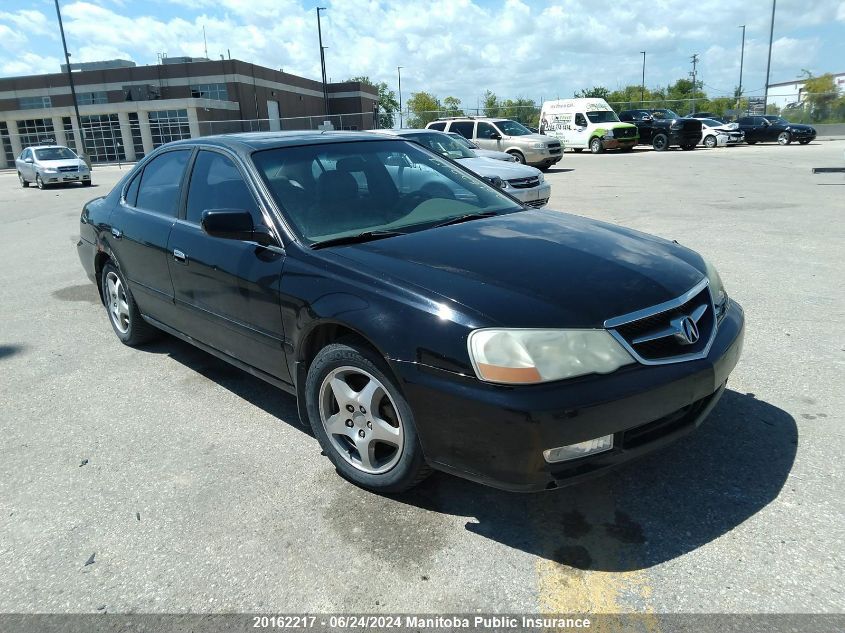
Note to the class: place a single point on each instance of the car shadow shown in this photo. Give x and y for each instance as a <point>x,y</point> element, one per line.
<point>648,512</point>
<point>263,395</point>
<point>10,350</point>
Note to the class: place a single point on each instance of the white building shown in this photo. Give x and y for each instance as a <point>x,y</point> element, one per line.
<point>792,92</point>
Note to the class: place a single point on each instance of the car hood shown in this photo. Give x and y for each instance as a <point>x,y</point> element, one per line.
<point>534,268</point>
<point>490,167</point>
<point>534,138</point>
<point>491,153</point>
<point>65,162</point>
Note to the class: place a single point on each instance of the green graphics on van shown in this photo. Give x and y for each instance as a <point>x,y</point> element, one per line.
<point>586,124</point>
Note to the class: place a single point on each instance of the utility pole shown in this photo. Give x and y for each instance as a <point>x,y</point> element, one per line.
<point>399,70</point>
<point>769,63</point>
<point>80,144</point>
<point>741,60</point>
<point>694,60</point>
<point>323,61</point>
<point>204,41</point>
<point>642,85</point>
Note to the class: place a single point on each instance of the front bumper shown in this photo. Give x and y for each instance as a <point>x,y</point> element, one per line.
<point>619,143</point>
<point>535,157</point>
<point>535,196</point>
<point>64,176</point>
<point>496,435</point>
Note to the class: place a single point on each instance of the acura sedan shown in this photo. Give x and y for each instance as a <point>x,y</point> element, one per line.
<point>452,328</point>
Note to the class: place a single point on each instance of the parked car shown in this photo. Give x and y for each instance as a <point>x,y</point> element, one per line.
<point>768,129</point>
<point>47,165</point>
<point>504,135</point>
<point>523,348</point>
<point>484,153</point>
<point>526,184</point>
<point>587,124</point>
<point>663,128</point>
<point>717,134</point>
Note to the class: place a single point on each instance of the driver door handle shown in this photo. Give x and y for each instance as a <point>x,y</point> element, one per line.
<point>179,256</point>
<point>116,232</point>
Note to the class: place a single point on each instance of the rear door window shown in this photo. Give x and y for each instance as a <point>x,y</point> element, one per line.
<point>161,182</point>
<point>464,128</point>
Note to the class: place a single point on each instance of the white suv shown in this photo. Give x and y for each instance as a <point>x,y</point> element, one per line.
<point>504,135</point>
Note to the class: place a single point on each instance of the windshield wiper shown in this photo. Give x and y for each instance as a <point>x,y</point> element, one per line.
<point>467,218</point>
<point>366,236</point>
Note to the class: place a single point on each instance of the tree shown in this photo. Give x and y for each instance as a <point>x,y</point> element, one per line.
<point>596,92</point>
<point>520,109</point>
<point>424,108</point>
<point>821,91</point>
<point>452,107</point>
<point>491,104</point>
<point>387,103</point>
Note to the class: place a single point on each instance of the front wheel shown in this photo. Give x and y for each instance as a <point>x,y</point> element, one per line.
<point>596,146</point>
<point>751,142</point>
<point>660,143</point>
<point>362,420</point>
<point>24,181</point>
<point>125,318</point>
<point>86,183</point>
<point>784,138</point>
<point>38,182</point>
<point>518,156</point>
<point>710,141</point>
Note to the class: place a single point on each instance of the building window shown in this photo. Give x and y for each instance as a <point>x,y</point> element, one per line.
<point>91,98</point>
<point>70,137</point>
<point>169,125</point>
<point>217,92</point>
<point>34,103</point>
<point>137,139</point>
<point>102,138</point>
<point>6,141</point>
<point>36,132</point>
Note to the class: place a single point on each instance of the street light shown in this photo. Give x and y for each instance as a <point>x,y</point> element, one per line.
<point>769,63</point>
<point>741,60</point>
<point>642,86</point>
<point>323,61</point>
<point>80,145</point>
<point>399,71</point>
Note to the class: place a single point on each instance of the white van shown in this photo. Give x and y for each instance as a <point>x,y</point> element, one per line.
<point>586,123</point>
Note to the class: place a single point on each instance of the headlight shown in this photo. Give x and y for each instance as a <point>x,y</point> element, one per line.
<point>717,289</point>
<point>495,181</point>
<point>541,177</point>
<point>50,170</point>
<point>608,134</point>
<point>538,146</point>
<point>526,356</point>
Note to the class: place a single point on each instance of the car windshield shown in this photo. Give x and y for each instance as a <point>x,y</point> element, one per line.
<point>337,190</point>
<point>664,114</point>
<point>602,116</point>
<point>712,123</point>
<point>54,153</point>
<point>441,143</point>
<point>512,128</point>
<point>463,141</point>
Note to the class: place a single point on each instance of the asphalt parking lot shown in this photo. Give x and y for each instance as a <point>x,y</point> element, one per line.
<point>187,485</point>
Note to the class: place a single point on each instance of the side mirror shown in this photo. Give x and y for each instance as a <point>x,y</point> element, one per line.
<point>28,159</point>
<point>496,136</point>
<point>232,224</point>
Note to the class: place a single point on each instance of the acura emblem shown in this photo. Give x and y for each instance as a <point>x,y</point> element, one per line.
<point>686,330</point>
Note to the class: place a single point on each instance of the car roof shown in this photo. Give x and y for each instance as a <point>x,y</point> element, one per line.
<point>246,141</point>
<point>53,146</point>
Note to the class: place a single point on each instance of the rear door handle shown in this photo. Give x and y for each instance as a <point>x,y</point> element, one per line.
<point>116,232</point>
<point>179,256</point>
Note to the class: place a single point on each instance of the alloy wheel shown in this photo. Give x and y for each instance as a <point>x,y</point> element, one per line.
<point>118,305</point>
<point>361,420</point>
<point>784,138</point>
<point>710,142</point>
<point>38,181</point>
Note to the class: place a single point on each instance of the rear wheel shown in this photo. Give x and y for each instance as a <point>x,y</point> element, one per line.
<point>125,318</point>
<point>751,142</point>
<point>805,141</point>
<point>362,420</point>
<point>518,156</point>
<point>596,146</point>
<point>710,141</point>
<point>24,181</point>
<point>660,142</point>
<point>784,138</point>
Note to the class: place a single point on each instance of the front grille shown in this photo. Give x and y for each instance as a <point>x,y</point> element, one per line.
<point>71,168</point>
<point>554,148</point>
<point>538,203</point>
<point>524,183</point>
<point>656,338</point>
<point>624,132</point>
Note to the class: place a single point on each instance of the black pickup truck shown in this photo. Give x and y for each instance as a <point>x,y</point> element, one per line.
<point>663,128</point>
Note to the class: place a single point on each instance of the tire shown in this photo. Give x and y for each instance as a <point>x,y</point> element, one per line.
<point>39,183</point>
<point>578,149</point>
<point>784,138</point>
<point>24,182</point>
<point>660,142</point>
<point>86,183</point>
<point>596,146</point>
<point>123,313</point>
<point>751,142</point>
<point>688,147</point>
<point>710,141</point>
<point>520,158</point>
<point>805,141</point>
<point>392,464</point>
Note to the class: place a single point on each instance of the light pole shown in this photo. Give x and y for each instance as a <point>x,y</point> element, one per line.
<point>741,60</point>
<point>323,61</point>
<point>769,63</point>
<point>399,71</point>
<point>694,60</point>
<point>81,144</point>
<point>642,86</point>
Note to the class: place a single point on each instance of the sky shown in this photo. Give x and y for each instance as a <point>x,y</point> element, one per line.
<point>515,48</point>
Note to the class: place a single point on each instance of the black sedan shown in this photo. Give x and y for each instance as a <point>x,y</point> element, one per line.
<point>770,129</point>
<point>452,329</point>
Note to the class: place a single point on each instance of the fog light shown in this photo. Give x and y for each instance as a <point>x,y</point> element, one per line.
<point>582,449</point>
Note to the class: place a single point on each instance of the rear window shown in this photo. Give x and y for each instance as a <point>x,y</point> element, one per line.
<point>464,128</point>
<point>440,125</point>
